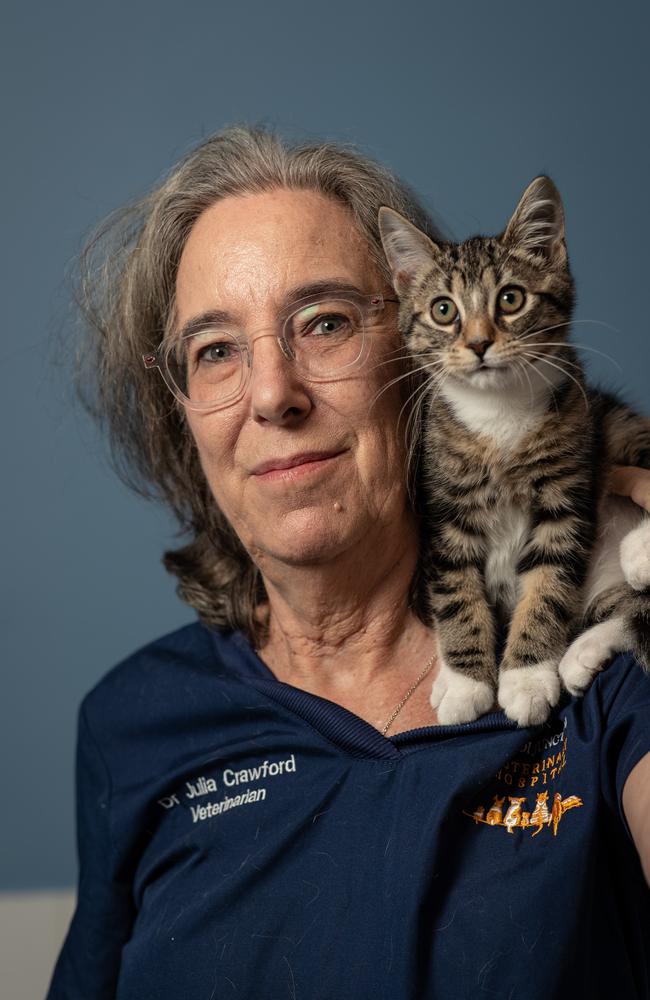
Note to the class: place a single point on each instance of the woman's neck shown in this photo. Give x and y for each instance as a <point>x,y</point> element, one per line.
<point>339,628</point>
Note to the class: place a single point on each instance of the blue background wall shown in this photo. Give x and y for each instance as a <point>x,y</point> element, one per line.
<point>467,100</point>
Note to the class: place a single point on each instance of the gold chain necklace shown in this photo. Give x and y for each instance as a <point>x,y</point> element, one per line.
<point>408,694</point>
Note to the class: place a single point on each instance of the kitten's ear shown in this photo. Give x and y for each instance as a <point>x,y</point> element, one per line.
<point>408,250</point>
<point>538,222</point>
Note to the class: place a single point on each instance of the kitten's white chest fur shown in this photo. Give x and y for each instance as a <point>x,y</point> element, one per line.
<point>506,537</point>
<point>505,414</point>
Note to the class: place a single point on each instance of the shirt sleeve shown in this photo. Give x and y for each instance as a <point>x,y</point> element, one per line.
<point>625,692</point>
<point>89,963</point>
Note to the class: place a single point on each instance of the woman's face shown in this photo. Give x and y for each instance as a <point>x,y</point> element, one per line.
<point>246,256</point>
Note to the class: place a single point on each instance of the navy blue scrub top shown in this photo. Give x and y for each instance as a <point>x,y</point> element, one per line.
<point>239,837</point>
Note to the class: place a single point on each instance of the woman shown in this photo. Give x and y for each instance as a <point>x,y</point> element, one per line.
<point>246,827</point>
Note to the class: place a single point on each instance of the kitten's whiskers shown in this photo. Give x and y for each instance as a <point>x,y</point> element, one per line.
<point>405,375</point>
<point>542,358</point>
<point>549,383</point>
<point>580,347</point>
<point>570,322</point>
<point>520,363</point>
<point>559,358</point>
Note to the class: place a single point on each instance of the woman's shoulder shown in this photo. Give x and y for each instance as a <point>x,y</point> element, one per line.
<point>185,646</point>
<point>171,702</point>
<point>612,722</point>
<point>622,686</point>
<point>162,698</point>
<point>163,670</point>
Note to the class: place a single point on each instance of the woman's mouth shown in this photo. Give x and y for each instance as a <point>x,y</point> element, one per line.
<point>294,466</point>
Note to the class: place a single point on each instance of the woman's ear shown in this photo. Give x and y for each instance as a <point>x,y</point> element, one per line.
<point>409,251</point>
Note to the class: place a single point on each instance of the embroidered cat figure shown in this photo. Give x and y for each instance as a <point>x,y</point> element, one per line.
<point>516,451</point>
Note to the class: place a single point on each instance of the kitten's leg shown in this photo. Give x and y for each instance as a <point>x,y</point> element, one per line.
<point>458,698</point>
<point>627,433</point>
<point>527,694</point>
<point>465,684</point>
<point>635,556</point>
<point>588,654</point>
<point>628,443</point>
<point>622,620</point>
<point>552,573</point>
<point>617,595</point>
<point>635,563</point>
<point>529,685</point>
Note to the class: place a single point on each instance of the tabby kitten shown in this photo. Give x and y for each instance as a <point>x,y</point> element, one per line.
<point>516,452</point>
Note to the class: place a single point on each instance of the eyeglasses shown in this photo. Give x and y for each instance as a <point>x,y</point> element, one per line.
<point>325,337</point>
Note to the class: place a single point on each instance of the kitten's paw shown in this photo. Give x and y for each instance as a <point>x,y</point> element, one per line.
<point>588,654</point>
<point>458,698</point>
<point>635,556</point>
<point>527,694</point>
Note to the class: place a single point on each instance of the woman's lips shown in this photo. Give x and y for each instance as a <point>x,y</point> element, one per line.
<point>294,466</point>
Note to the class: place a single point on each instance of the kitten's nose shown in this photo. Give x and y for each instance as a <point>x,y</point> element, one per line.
<point>479,346</point>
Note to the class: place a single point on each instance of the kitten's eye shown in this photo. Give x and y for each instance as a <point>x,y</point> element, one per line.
<point>444,311</point>
<point>511,299</point>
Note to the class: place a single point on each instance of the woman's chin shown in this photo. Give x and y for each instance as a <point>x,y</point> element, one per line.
<point>306,538</point>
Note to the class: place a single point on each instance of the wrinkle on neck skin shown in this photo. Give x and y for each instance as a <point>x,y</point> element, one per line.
<point>343,626</point>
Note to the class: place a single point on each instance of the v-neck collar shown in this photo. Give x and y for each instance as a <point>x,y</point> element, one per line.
<point>346,730</point>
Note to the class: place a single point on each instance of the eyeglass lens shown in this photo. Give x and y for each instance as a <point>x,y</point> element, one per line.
<point>323,338</point>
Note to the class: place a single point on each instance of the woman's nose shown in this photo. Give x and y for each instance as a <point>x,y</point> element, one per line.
<point>277,392</point>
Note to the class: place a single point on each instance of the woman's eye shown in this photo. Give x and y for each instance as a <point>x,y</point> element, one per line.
<point>216,353</point>
<point>327,326</point>
<point>444,311</point>
<point>511,299</point>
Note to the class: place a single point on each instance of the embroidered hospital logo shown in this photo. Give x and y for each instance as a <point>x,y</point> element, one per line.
<point>537,765</point>
<point>516,813</point>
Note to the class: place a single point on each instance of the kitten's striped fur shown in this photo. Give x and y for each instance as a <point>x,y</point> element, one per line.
<point>516,453</point>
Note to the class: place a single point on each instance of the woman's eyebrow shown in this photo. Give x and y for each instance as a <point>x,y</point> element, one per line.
<point>324,286</point>
<point>212,317</point>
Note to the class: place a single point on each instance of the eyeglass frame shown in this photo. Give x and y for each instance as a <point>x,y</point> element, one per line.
<point>159,358</point>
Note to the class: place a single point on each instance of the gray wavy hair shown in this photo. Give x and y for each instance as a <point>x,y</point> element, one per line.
<point>126,294</point>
